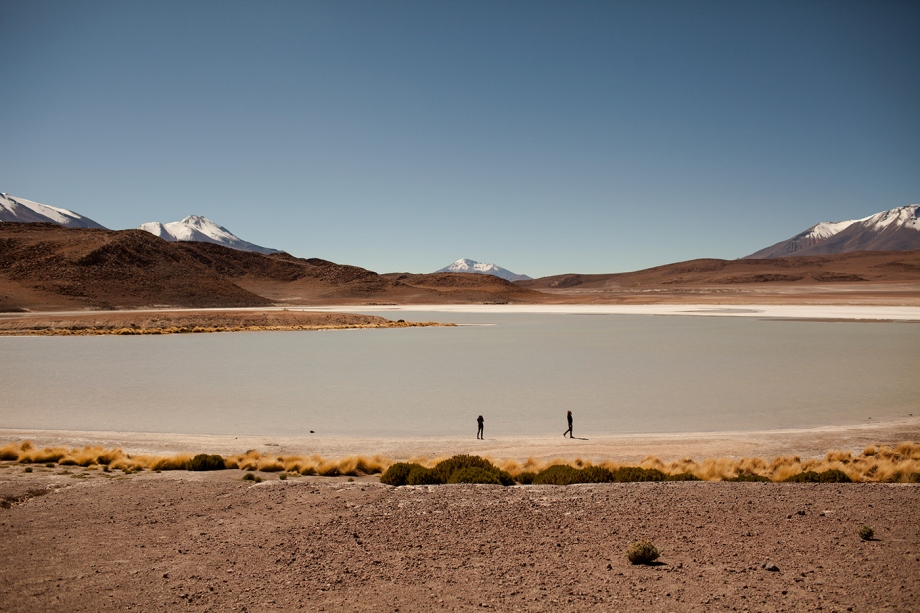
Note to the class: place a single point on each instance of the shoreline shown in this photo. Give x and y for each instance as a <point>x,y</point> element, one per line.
<point>804,442</point>
<point>807,312</point>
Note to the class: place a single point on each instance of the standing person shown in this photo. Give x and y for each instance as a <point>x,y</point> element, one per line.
<point>480,421</point>
<point>569,431</point>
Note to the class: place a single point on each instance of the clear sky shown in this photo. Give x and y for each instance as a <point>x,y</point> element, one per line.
<point>546,137</point>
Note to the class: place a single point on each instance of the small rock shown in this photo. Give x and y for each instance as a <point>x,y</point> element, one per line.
<point>609,566</point>
<point>770,566</point>
<point>800,512</point>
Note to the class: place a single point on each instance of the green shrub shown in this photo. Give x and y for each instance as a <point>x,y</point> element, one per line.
<point>446,468</point>
<point>526,478</point>
<point>557,474</point>
<point>630,474</point>
<point>397,473</point>
<point>642,552</point>
<point>828,476</point>
<point>282,476</point>
<point>595,474</point>
<point>865,533</point>
<point>252,477</point>
<point>474,474</point>
<point>203,461</point>
<point>419,475</point>
<point>27,469</point>
<point>748,477</point>
<point>682,477</point>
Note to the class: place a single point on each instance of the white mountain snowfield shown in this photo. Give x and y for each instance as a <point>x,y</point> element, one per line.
<point>14,208</point>
<point>466,265</point>
<point>201,229</point>
<point>897,229</point>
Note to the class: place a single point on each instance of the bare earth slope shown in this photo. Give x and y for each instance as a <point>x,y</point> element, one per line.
<point>210,541</point>
<point>884,276</point>
<point>48,267</point>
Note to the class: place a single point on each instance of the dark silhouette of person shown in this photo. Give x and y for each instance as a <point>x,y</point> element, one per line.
<point>480,421</point>
<point>569,431</point>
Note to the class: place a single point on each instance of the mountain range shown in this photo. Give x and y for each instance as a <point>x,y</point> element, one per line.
<point>472,266</point>
<point>895,230</point>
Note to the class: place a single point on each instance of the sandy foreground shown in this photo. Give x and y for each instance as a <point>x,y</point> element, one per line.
<point>84,540</point>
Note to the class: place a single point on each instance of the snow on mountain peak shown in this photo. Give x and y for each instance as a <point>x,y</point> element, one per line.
<point>892,230</point>
<point>197,228</point>
<point>472,266</point>
<point>13,208</point>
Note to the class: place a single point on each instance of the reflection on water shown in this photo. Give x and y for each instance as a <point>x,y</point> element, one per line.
<point>617,373</point>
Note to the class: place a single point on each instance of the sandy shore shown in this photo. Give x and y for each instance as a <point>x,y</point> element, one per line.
<point>811,442</point>
<point>834,312</point>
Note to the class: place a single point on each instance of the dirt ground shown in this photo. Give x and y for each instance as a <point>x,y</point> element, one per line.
<point>213,542</point>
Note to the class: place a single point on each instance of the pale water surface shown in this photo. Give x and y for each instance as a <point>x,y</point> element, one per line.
<point>617,373</point>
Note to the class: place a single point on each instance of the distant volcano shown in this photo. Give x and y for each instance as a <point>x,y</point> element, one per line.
<point>21,210</point>
<point>196,228</point>
<point>894,230</point>
<point>472,266</point>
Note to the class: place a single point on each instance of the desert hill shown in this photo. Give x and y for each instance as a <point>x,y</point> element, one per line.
<point>867,266</point>
<point>44,266</point>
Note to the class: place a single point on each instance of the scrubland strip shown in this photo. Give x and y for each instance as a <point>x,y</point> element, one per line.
<point>898,464</point>
<point>95,331</point>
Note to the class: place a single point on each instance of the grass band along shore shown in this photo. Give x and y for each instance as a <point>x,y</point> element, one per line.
<point>885,464</point>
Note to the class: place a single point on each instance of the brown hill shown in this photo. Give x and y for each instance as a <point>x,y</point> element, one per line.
<point>44,266</point>
<point>48,267</point>
<point>858,267</point>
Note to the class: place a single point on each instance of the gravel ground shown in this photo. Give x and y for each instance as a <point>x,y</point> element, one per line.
<point>213,542</point>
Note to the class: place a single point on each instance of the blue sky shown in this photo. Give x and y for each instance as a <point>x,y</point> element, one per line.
<point>547,137</point>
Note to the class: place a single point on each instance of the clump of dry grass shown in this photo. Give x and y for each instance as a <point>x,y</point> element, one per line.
<point>355,466</point>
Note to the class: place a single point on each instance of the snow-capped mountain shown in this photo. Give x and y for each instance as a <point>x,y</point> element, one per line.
<point>466,265</point>
<point>894,230</point>
<point>201,229</point>
<point>13,208</point>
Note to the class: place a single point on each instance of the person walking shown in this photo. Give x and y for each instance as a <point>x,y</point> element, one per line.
<point>569,431</point>
<point>480,421</point>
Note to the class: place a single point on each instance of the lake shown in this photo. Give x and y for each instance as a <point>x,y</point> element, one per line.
<point>522,371</point>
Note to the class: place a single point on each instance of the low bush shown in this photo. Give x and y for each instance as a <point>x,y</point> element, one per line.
<point>557,474</point>
<point>642,552</point>
<point>631,474</point>
<point>682,477</point>
<point>204,461</point>
<point>595,474</point>
<point>419,475</point>
<point>446,468</point>
<point>474,474</point>
<point>397,473</point>
<point>525,478</point>
<point>865,533</point>
<point>828,476</point>
<point>252,477</point>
